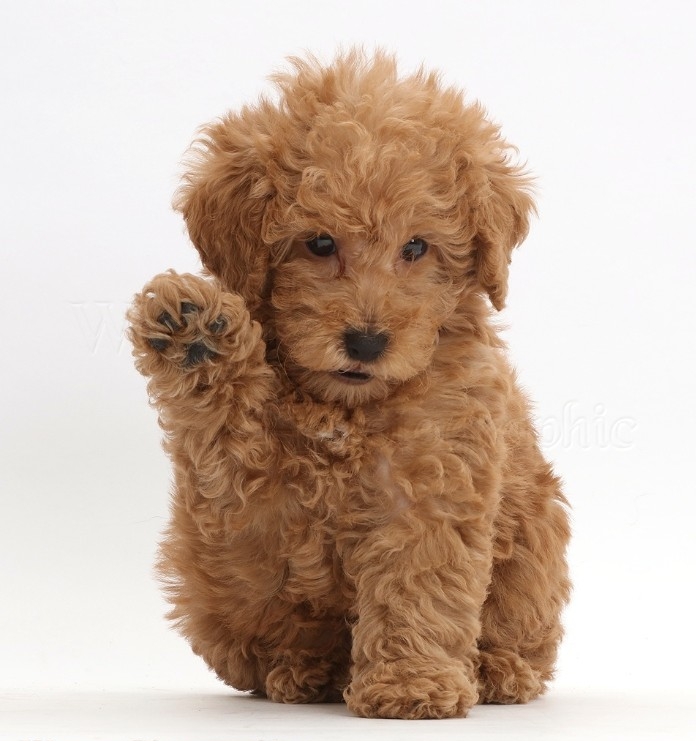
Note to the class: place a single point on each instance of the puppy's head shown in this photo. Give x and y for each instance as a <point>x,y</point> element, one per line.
<point>357,214</point>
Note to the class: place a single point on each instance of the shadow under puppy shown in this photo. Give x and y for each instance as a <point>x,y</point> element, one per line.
<point>361,509</point>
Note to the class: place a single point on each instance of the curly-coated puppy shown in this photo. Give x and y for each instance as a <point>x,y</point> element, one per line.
<point>361,509</point>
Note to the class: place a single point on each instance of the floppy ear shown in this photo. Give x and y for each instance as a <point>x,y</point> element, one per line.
<point>501,219</point>
<point>223,199</point>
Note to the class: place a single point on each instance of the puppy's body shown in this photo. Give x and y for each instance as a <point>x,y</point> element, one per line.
<point>365,518</point>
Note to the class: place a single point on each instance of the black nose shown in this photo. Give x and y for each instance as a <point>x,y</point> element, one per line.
<point>365,346</point>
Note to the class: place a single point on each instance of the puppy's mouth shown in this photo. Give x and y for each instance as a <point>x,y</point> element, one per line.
<point>355,378</point>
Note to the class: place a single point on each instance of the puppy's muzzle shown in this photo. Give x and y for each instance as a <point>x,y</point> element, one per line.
<point>365,346</point>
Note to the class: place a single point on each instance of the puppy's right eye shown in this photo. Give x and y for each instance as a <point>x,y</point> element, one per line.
<point>323,245</point>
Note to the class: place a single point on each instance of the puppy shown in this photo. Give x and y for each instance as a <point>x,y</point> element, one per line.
<point>361,509</point>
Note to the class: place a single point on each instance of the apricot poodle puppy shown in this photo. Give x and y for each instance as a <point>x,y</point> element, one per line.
<point>361,509</point>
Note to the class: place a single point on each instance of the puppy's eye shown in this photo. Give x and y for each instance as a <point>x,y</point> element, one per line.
<point>323,245</point>
<point>414,249</point>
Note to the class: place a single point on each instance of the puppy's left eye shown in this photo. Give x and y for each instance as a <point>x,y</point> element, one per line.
<point>414,249</point>
<point>322,245</point>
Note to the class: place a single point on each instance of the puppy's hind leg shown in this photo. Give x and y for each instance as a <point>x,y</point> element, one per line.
<point>312,662</point>
<point>521,626</point>
<point>313,668</point>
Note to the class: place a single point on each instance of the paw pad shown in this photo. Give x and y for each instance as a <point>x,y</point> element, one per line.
<point>166,318</point>
<point>188,308</point>
<point>157,343</point>
<point>218,326</point>
<point>196,352</point>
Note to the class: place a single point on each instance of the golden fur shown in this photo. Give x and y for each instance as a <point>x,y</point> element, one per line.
<point>396,539</point>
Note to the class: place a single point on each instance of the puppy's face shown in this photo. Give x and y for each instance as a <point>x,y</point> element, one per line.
<point>356,317</point>
<point>355,216</point>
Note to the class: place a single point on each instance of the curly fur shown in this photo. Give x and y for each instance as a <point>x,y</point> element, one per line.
<point>397,542</point>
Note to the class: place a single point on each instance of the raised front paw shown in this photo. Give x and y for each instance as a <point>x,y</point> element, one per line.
<point>183,323</point>
<point>408,690</point>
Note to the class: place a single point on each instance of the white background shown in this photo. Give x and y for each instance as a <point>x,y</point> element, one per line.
<point>99,101</point>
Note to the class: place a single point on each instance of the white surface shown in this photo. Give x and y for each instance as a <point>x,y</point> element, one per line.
<point>100,100</point>
<point>220,717</point>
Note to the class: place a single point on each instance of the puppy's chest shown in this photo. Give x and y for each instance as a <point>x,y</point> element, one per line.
<point>327,453</point>
<point>358,469</point>
<point>344,476</point>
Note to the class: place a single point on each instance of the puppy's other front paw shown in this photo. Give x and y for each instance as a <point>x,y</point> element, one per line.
<point>402,689</point>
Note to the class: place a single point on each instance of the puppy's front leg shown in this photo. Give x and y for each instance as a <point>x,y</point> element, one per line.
<point>419,593</point>
<point>209,381</point>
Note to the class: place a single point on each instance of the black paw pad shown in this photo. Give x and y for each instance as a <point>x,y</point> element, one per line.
<point>166,318</point>
<point>196,353</point>
<point>218,326</point>
<point>157,343</point>
<point>188,308</point>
